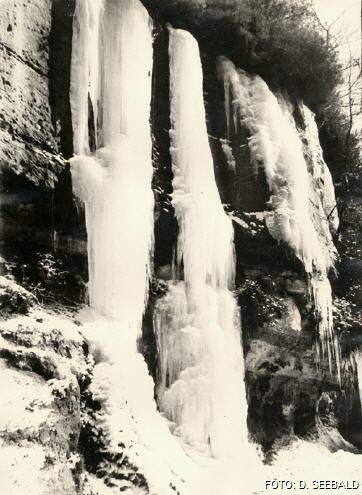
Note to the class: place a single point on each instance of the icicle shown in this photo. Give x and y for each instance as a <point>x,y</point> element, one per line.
<point>324,198</point>
<point>111,73</point>
<point>206,240</point>
<point>275,143</point>
<point>322,296</point>
<point>84,70</point>
<point>201,388</point>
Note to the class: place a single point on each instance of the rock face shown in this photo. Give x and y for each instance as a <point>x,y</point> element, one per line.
<point>28,140</point>
<point>37,213</point>
<point>43,358</point>
<point>42,372</point>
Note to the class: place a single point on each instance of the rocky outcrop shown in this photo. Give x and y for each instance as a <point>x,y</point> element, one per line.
<point>43,369</point>
<point>285,383</point>
<point>37,213</point>
<point>28,141</point>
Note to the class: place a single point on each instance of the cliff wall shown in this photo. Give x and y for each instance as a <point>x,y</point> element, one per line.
<point>43,248</point>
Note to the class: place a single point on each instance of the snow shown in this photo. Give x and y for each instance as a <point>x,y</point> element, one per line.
<point>20,468</point>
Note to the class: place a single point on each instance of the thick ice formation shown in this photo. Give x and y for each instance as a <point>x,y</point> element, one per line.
<point>201,389</point>
<point>276,146</point>
<point>322,296</point>
<point>325,201</point>
<point>85,73</point>
<point>112,167</point>
<point>112,172</point>
<point>320,170</point>
<point>201,386</point>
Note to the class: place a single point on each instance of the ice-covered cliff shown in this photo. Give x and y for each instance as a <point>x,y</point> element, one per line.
<point>178,273</point>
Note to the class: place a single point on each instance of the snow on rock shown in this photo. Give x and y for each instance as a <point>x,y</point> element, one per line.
<point>42,363</point>
<point>14,298</point>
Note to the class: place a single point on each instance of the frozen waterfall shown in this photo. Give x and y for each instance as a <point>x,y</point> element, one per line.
<point>111,173</point>
<point>112,168</point>
<point>276,146</point>
<point>201,390</point>
<point>197,325</point>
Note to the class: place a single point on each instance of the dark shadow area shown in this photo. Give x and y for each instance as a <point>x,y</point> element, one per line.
<point>60,52</point>
<point>166,228</point>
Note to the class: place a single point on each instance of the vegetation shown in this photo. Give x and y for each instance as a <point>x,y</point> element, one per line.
<point>286,43</point>
<point>51,280</point>
<point>280,40</point>
<point>265,307</point>
<point>340,143</point>
<point>14,299</point>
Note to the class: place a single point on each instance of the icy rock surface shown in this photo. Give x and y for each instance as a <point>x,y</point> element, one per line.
<point>42,365</point>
